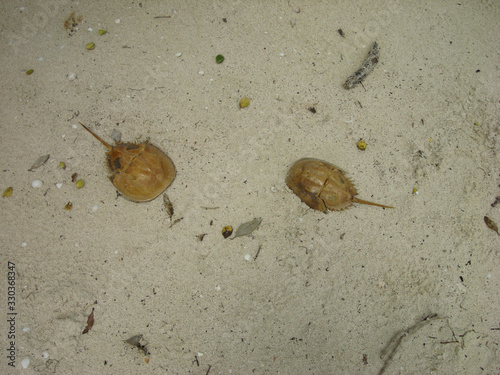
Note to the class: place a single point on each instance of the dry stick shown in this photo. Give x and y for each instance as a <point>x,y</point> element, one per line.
<point>258,252</point>
<point>395,341</point>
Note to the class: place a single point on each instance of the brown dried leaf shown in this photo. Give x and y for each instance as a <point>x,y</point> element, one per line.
<point>491,224</point>
<point>90,322</point>
<point>168,206</point>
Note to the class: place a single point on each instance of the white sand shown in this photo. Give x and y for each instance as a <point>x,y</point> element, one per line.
<point>327,294</point>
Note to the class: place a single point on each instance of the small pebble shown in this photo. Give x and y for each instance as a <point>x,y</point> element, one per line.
<point>59,185</point>
<point>117,20</point>
<point>89,29</point>
<point>72,76</point>
<point>201,72</point>
<point>178,54</point>
<point>248,257</point>
<point>95,208</point>
<point>26,329</point>
<point>25,363</point>
<point>37,184</point>
<point>45,354</point>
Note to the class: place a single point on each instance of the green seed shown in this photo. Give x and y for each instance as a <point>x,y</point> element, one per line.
<point>102,32</point>
<point>245,102</point>
<point>219,59</point>
<point>90,46</point>
<point>79,184</point>
<point>68,206</point>
<point>62,165</point>
<point>29,72</point>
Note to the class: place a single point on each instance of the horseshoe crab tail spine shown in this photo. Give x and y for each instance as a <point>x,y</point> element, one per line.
<point>361,201</point>
<point>98,138</point>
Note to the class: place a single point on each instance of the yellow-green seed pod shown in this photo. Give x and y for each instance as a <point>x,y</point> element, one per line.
<point>90,46</point>
<point>79,184</point>
<point>102,32</point>
<point>362,145</point>
<point>227,231</point>
<point>29,72</point>
<point>62,165</point>
<point>68,206</point>
<point>415,191</point>
<point>8,192</point>
<point>244,102</point>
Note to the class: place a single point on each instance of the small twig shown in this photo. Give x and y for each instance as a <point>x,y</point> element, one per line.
<point>209,367</point>
<point>257,254</point>
<point>454,341</point>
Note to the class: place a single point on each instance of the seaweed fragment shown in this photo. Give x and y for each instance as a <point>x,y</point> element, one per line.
<point>366,68</point>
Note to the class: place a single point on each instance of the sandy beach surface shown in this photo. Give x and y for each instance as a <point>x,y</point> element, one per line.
<point>367,290</point>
